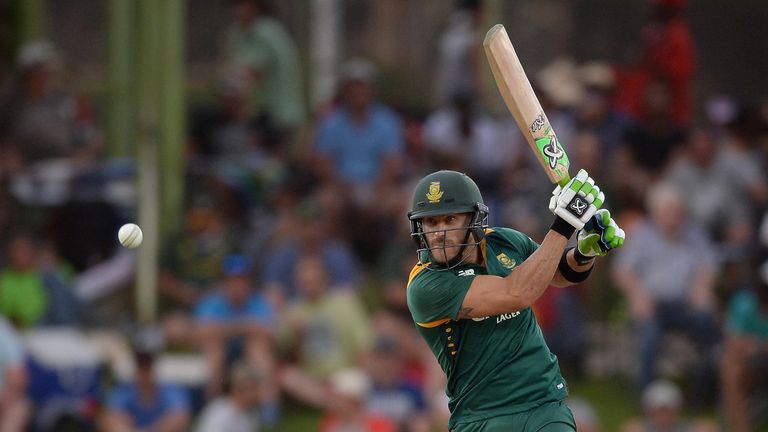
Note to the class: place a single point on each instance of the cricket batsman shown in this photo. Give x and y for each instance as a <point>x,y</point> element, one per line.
<point>471,294</point>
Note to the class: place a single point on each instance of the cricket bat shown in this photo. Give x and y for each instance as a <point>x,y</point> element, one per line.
<point>521,101</point>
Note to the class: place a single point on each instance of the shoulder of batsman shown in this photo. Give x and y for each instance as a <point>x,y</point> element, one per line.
<point>503,233</point>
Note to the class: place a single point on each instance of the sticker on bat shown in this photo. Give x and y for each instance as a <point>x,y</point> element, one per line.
<point>538,123</point>
<point>552,151</point>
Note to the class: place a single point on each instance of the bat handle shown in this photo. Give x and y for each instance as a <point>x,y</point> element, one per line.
<point>564,181</point>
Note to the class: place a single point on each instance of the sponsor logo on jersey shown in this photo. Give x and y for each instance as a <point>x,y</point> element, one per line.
<point>499,318</point>
<point>467,272</point>
<point>506,316</point>
<point>506,261</point>
<point>434,193</point>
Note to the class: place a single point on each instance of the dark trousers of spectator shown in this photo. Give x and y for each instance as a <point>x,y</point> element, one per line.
<point>567,337</point>
<point>699,326</point>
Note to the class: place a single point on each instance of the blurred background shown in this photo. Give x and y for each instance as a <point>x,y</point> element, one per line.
<point>268,149</point>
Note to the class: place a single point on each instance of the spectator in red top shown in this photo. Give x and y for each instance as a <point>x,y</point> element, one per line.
<point>667,56</point>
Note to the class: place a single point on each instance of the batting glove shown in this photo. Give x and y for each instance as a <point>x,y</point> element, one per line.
<point>600,235</point>
<point>577,201</point>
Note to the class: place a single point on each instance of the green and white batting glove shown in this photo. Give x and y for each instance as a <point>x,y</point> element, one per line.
<point>600,235</point>
<point>577,201</point>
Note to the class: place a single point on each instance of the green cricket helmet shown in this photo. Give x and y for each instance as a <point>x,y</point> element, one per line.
<point>442,193</point>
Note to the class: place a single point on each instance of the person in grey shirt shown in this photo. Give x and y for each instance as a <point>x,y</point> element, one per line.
<point>238,410</point>
<point>667,273</point>
<point>14,406</point>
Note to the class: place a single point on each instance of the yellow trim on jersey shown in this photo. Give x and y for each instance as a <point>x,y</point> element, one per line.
<point>483,245</point>
<point>418,268</point>
<point>433,324</point>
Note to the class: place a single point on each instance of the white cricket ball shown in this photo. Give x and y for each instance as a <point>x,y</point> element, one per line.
<point>130,235</point>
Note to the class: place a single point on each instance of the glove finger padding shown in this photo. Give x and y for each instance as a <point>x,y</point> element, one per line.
<point>577,201</point>
<point>600,235</point>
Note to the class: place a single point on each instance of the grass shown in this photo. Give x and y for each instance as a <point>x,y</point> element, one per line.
<point>612,399</point>
<point>298,419</point>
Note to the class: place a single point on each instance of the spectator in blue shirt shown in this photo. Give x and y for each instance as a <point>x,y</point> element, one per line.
<point>313,236</point>
<point>147,405</point>
<point>360,141</point>
<point>359,152</point>
<point>234,320</point>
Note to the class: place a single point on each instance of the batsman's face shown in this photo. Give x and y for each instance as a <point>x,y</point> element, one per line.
<point>445,235</point>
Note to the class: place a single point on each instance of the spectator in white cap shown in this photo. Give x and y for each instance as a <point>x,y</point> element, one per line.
<point>237,411</point>
<point>585,415</point>
<point>668,274</point>
<point>662,405</point>
<point>663,412</point>
<point>349,390</point>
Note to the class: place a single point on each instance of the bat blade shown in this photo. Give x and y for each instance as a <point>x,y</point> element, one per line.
<point>524,106</point>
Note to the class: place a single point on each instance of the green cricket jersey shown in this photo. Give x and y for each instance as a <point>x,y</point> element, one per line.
<point>497,365</point>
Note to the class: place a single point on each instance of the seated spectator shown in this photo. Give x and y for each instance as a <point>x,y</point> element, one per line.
<point>36,286</point>
<point>667,273</point>
<point>360,149</point>
<point>393,322</point>
<point>237,411</point>
<point>651,143</point>
<point>360,142</point>
<point>234,321</point>
<point>348,389</point>
<point>23,298</point>
<point>460,136</point>
<point>392,395</point>
<point>324,332</point>
<point>280,274</point>
<point>258,41</point>
<point>459,69</point>
<point>706,180</point>
<point>663,412</point>
<point>14,406</point>
<point>146,404</point>
<point>191,261</point>
<point>227,131</point>
<point>712,172</point>
<point>742,369</point>
<point>595,113</point>
<point>39,117</point>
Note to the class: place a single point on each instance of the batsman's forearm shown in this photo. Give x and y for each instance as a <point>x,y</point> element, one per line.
<point>493,295</point>
<point>529,281</point>
<point>559,280</point>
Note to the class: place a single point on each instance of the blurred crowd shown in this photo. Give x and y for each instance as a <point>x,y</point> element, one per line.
<point>284,284</point>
